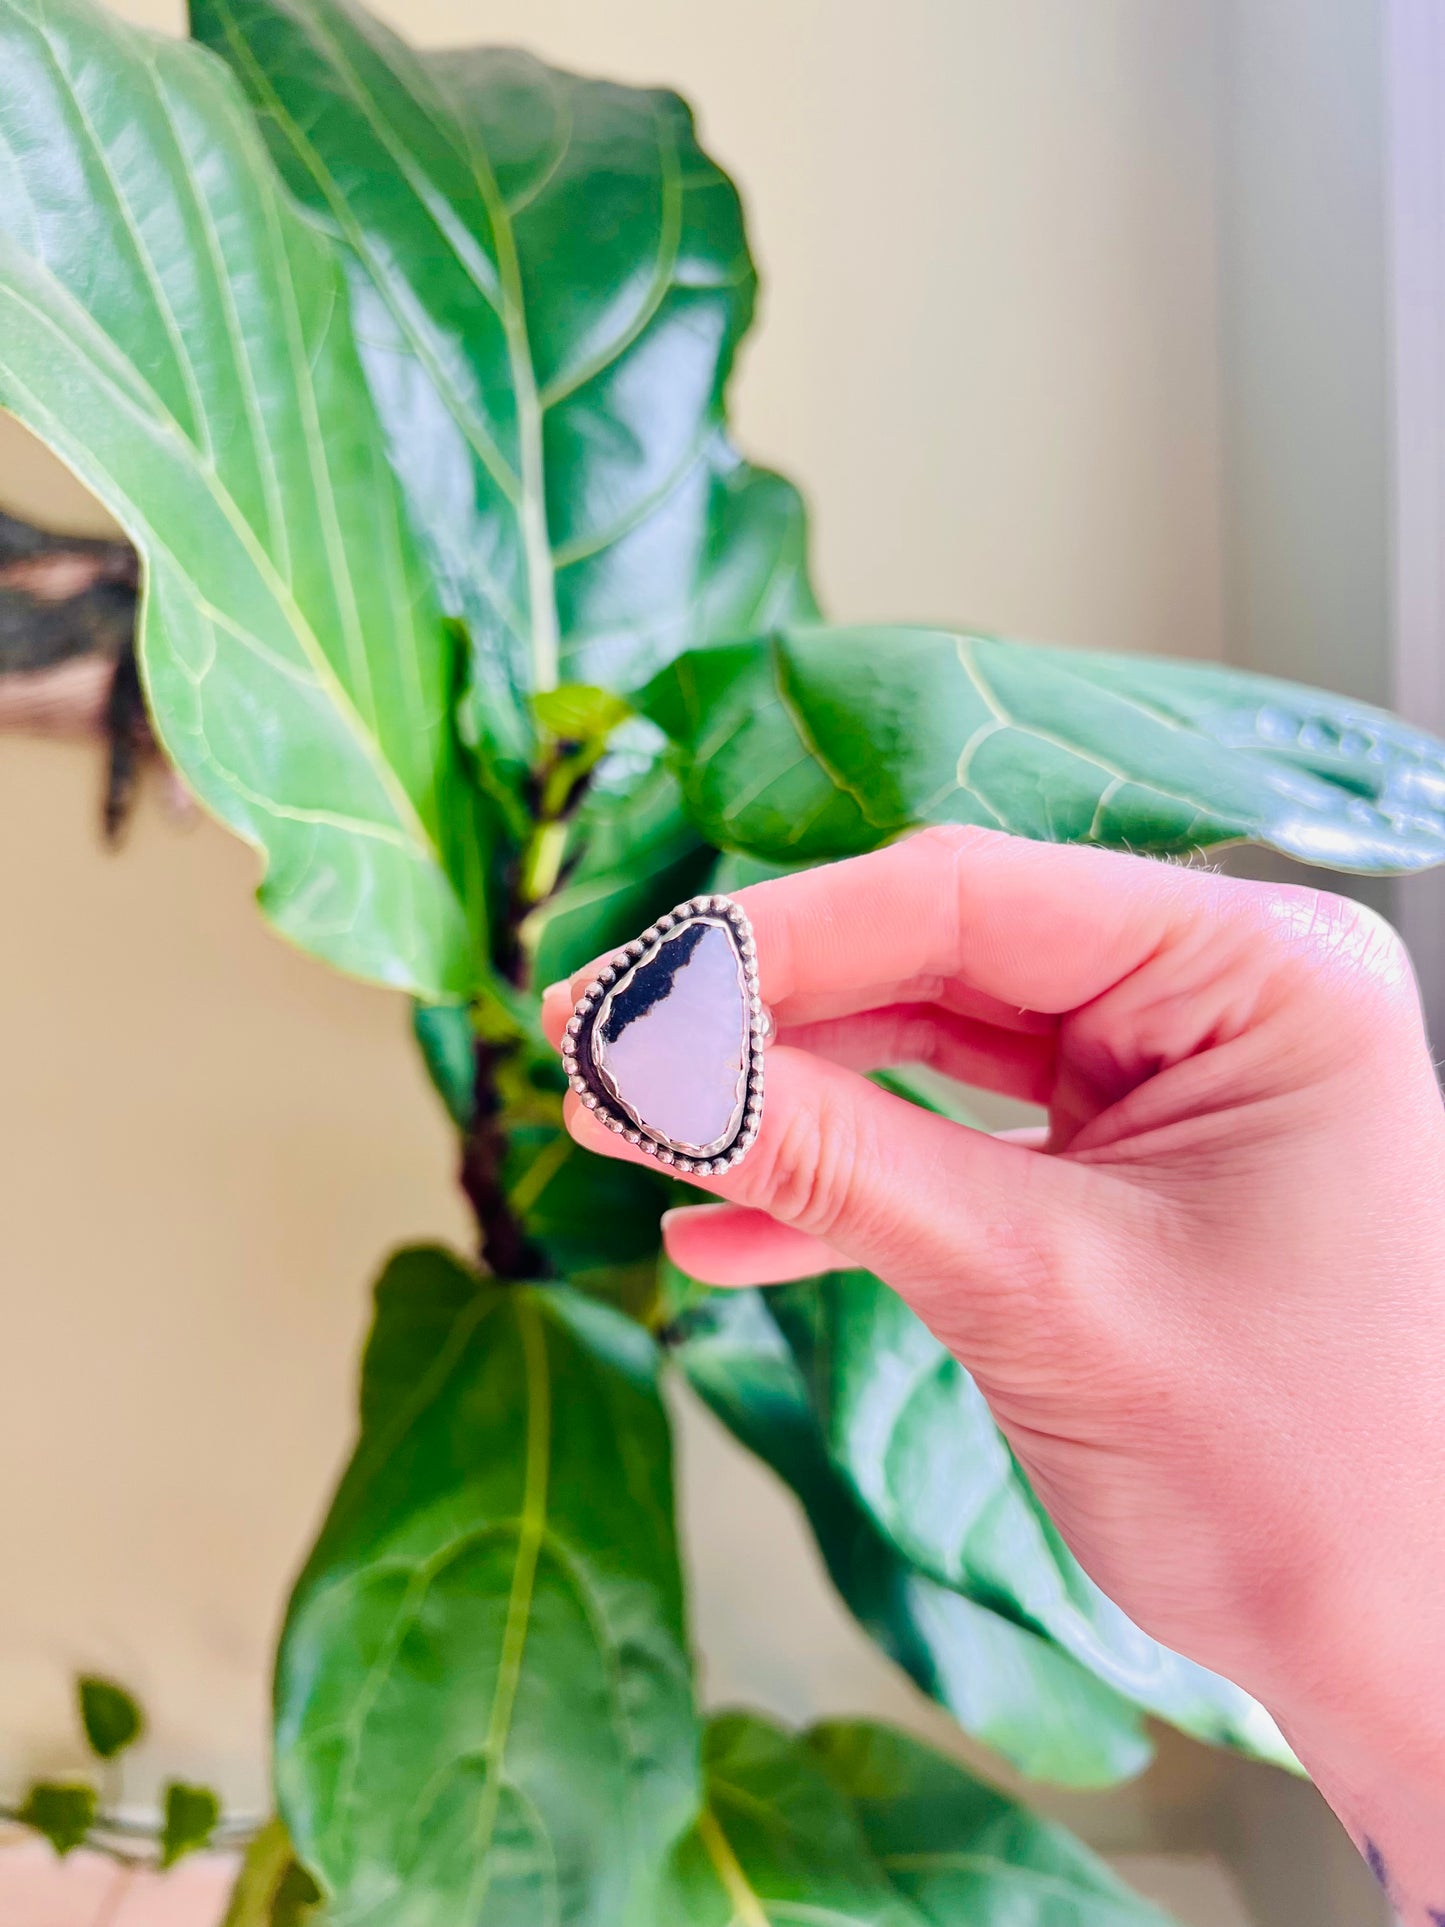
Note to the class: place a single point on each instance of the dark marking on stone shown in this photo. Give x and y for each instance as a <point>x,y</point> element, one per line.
<point>653,980</point>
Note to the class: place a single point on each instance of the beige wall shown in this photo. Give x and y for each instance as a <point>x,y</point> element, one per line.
<point>989,352</point>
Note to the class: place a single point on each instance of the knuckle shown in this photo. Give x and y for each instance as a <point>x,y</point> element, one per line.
<point>955,837</point>
<point>953,847</point>
<point>1344,946</point>
<point>809,1164</point>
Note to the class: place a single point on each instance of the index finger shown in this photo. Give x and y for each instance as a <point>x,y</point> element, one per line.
<point>1017,925</point>
<point>1038,926</point>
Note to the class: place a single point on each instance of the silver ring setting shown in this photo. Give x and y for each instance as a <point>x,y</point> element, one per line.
<point>665,1045</point>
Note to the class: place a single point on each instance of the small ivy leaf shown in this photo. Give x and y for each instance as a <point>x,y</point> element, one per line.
<point>191,1816</point>
<point>64,1811</point>
<point>579,713</point>
<point>111,1718</point>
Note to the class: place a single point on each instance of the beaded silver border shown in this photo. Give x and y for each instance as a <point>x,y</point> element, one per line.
<point>585,1012</point>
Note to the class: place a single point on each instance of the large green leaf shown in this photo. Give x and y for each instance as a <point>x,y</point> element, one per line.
<point>812,743</point>
<point>1003,1683</point>
<point>856,1825</point>
<point>960,1853</point>
<point>911,1434</point>
<point>179,335</point>
<point>551,279</point>
<point>483,1708</point>
<point>778,1844</point>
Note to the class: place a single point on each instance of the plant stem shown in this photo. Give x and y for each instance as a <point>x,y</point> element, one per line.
<point>557,786</point>
<point>62,596</point>
<point>67,648</point>
<point>542,864</point>
<point>506,1249</point>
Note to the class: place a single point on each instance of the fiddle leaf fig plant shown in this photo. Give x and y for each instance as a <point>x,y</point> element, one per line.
<point>405,375</point>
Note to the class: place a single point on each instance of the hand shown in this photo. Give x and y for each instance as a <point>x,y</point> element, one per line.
<point>1207,1307</point>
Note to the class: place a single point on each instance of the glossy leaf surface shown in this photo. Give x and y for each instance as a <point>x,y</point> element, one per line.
<point>179,334</point>
<point>911,1434</point>
<point>483,1702</point>
<point>857,1825</point>
<point>814,743</point>
<point>778,1844</point>
<point>551,278</point>
<point>1003,1683</point>
<point>958,1851</point>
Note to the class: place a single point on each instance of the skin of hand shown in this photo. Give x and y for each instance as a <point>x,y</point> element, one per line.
<point>1207,1305</point>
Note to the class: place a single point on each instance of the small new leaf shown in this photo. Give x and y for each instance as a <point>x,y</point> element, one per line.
<point>111,1718</point>
<point>579,719</point>
<point>635,855</point>
<point>191,1816</point>
<point>578,712</point>
<point>64,1811</point>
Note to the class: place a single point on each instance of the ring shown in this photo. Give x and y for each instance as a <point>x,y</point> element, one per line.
<point>666,1043</point>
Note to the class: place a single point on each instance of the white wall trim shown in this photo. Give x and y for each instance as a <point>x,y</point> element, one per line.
<point>1415,80</point>
<point>1415,178</point>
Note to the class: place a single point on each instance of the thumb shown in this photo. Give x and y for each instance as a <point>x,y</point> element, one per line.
<point>962,1224</point>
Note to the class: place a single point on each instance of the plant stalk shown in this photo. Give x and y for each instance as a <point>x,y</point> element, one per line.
<point>67,649</point>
